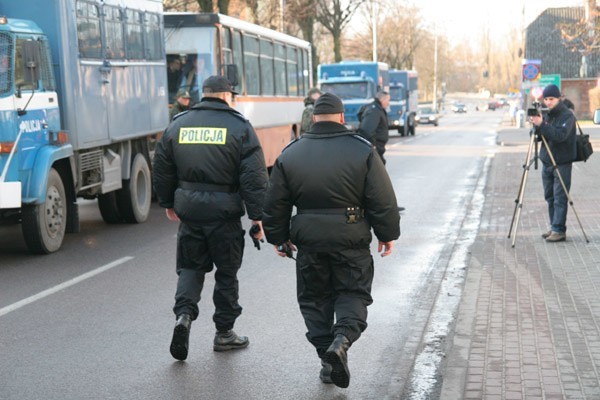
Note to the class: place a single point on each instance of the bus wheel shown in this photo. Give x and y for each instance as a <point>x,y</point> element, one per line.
<point>107,203</point>
<point>135,197</point>
<point>44,225</point>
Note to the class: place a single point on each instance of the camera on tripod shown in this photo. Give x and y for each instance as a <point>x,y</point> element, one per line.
<point>536,109</point>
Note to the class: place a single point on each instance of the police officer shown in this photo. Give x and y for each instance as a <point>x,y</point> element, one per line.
<point>208,164</point>
<point>374,122</point>
<point>341,190</point>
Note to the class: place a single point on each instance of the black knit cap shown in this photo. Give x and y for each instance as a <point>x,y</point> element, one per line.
<point>551,91</point>
<point>328,103</point>
<point>217,84</point>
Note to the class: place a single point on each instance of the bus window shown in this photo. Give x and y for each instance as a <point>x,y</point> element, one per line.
<point>266,67</point>
<point>238,59</point>
<point>88,30</point>
<point>292,71</point>
<point>251,70</point>
<point>280,84</point>
<point>226,45</point>
<point>113,29</point>
<point>305,73</point>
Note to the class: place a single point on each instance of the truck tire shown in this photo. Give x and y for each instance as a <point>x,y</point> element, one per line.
<point>44,225</point>
<point>402,130</point>
<point>135,198</point>
<point>109,209</point>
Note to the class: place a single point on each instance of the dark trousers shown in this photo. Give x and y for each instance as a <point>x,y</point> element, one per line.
<point>334,284</point>
<point>198,249</point>
<point>555,195</point>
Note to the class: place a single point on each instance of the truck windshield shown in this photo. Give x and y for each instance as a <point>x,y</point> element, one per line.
<point>348,90</point>
<point>396,93</point>
<point>6,69</point>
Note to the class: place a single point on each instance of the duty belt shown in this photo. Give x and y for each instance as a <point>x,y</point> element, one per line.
<point>354,214</point>
<point>207,187</point>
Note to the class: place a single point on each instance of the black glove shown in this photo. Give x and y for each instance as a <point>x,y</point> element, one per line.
<point>255,229</point>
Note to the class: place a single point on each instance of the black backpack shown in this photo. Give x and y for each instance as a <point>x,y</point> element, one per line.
<point>361,112</point>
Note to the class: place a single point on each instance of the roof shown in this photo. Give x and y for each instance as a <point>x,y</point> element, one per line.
<point>543,41</point>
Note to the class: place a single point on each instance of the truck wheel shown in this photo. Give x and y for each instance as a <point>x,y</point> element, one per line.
<point>44,225</point>
<point>402,130</point>
<point>135,197</point>
<point>107,203</point>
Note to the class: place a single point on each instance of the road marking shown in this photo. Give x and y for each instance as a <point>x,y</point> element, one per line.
<point>64,285</point>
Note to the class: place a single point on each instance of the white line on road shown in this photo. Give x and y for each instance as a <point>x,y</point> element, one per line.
<point>64,285</point>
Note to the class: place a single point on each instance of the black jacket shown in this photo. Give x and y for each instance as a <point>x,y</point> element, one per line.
<point>560,131</point>
<point>374,125</point>
<point>329,168</point>
<point>211,144</point>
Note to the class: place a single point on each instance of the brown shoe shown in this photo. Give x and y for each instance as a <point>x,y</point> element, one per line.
<point>546,234</point>
<point>556,237</point>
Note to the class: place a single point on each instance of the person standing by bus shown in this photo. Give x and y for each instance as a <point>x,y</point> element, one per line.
<point>182,103</point>
<point>307,114</point>
<point>207,166</point>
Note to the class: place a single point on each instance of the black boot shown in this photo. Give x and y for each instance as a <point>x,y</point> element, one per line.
<point>229,340</point>
<point>338,359</point>
<point>325,374</point>
<point>181,336</point>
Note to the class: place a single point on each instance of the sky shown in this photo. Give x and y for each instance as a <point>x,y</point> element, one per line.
<point>461,20</point>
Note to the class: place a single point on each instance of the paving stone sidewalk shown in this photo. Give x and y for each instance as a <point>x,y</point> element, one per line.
<point>528,326</point>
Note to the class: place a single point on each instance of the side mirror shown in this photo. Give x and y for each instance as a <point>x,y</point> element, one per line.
<point>31,62</point>
<point>597,116</point>
<point>232,74</point>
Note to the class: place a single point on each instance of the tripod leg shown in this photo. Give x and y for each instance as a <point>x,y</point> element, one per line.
<point>519,200</point>
<point>562,182</point>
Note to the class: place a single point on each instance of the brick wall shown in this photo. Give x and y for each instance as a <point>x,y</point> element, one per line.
<point>584,94</point>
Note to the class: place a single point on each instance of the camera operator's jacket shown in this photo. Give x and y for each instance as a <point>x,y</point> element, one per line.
<point>208,163</point>
<point>323,173</point>
<point>560,131</point>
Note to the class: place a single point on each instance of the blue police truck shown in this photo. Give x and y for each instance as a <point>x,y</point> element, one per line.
<point>83,96</point>
<point>355,82</point>
<point>404,101</point>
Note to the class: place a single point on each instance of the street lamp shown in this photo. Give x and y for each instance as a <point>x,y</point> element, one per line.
<point>374,24</point>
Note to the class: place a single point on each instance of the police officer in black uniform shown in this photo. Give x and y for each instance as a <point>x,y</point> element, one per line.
<point>374,122</point>
<point>341,190</point>
<point>208,164</point>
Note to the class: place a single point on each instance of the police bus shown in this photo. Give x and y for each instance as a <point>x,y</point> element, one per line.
<point>273,70</point>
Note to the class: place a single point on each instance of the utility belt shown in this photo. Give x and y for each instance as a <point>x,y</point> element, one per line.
<point>207,187</point>
<point>353,214</point>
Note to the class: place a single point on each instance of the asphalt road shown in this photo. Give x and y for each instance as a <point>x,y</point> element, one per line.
<point>94,320</point>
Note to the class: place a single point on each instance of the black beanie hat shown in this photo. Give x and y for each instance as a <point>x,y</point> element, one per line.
<point>328,103</point>
<point>551,91</point>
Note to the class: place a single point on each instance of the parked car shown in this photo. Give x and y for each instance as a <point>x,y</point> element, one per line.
<point>427,115</point>
<point>459,108</point>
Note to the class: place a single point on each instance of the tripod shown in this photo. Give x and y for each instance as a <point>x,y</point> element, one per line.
<point>526,167</point>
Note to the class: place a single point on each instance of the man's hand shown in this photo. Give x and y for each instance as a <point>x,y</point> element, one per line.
<point>285,250</point>
<point>386,247</point>
<point>256,233</point>
<point>171,215</point>
<point>536,120</point>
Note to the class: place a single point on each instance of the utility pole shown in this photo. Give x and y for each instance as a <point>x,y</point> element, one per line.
<point>374,23</point>
<point>435,60</point>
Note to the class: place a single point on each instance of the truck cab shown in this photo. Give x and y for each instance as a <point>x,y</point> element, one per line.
<point>355,82</point>
<point>404,102</point>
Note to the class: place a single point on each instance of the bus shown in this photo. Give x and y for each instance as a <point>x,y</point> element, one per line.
<point>273,70</point>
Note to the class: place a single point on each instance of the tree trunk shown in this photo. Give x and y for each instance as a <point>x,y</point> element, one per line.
<point>223,6</point>
<point>205,5</point>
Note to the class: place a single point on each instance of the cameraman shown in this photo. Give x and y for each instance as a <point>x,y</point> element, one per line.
<point>558,128</point>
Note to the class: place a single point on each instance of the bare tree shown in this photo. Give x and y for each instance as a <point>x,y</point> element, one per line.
<point>334,16</point>
<point>304,13</point>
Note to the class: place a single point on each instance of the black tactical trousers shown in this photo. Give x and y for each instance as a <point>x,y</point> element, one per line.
<point>199,247</point>
<point>336,283</point>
